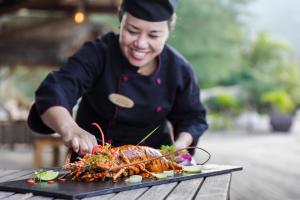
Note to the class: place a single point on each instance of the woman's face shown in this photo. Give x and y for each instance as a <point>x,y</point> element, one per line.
<point>142,41</point>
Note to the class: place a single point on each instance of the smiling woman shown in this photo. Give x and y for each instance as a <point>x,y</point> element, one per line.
<point>129,82</point>
<point>142,41</point>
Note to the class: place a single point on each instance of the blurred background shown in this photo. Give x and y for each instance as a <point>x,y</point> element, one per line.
<point>246,57</point>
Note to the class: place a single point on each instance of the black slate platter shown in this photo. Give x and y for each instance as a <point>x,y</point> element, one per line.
<point>76,190</point>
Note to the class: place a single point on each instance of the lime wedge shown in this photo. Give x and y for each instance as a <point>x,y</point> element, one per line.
<point>192,169</point>
<point>47,175</point>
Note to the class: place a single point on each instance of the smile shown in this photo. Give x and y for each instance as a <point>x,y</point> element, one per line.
<point>138,55</point>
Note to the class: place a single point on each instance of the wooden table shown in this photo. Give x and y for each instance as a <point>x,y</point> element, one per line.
<point>213,187</point>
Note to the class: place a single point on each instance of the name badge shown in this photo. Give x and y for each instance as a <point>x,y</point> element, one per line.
<point>121,100</point>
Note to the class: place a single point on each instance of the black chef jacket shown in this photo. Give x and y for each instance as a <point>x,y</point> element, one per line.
<point>99,69</point>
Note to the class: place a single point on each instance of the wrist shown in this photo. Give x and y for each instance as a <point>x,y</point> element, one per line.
<point>66,129</point>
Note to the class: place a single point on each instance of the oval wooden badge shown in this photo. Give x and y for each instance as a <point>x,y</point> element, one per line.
<point>121,100</point>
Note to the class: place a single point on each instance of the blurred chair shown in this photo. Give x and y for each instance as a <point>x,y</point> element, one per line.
<point>15,132</point>
<point>43,141</point>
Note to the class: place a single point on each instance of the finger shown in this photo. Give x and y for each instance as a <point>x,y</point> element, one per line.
<point>90,147</point>
<point>84,149</point>
<point>94,140</point>
<point>75,144</point>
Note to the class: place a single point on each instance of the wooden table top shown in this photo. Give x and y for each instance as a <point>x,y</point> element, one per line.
<point>215,187</point>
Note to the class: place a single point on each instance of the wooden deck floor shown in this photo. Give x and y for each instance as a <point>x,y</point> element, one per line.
<point>271,164</point>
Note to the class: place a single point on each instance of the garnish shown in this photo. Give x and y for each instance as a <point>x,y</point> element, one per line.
<point>148,135</point>
<point>192,169</point>
<point>46,175</point>
<point>134,179</point>
<point>181,157</point>
<point>160,175</point>
<point>169,173</point>
<point>31,181</point>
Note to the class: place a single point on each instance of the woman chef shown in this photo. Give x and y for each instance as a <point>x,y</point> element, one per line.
<point>129,83</point>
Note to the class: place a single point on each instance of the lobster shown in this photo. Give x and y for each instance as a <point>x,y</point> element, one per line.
<point>116,162</point>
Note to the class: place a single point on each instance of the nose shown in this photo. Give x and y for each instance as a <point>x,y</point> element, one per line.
<point>141,42</point>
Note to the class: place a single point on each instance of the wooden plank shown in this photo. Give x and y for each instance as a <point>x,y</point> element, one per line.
<point>4,173</point>
<point>16,176</point>
<point>158,192</point>
<point>130,194</point>
<point>19,196</point>
<point>215,188</point>
<point>4,195</point>
<point>40,198</point>
<point>102,197</point>
<point>185,189</point>
<point>275,167</point>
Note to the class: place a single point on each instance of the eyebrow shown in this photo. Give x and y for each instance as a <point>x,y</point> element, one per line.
<point>137,28</point>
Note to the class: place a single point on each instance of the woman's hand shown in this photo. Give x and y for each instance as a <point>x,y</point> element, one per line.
<point>184,139</point>
<point>60,120</point>
<point>81,141</point>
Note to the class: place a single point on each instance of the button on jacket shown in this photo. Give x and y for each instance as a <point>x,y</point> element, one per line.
<point>99,69</point>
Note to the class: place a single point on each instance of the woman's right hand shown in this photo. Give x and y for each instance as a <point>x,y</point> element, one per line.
<point>59,119</point>
<point>81,141</point>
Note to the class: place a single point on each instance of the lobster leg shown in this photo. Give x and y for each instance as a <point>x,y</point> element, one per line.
<point>118,174</point>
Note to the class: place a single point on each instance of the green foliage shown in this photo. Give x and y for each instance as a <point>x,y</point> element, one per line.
<point>225,104</point>
<point>279,100</point>
<point>20,82</point>
<point>268,66</point>
<point>217,122</point>
<point>106,20</point>
<point>209,34</point>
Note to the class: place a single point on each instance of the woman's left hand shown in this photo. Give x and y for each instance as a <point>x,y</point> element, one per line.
<point>184,140</point>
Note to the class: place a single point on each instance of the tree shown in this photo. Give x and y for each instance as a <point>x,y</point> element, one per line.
<point>270,68</point>
<point>209,34</point>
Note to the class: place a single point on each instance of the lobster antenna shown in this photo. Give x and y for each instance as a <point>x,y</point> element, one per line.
<point>101,132</point>
<point>148,135</point>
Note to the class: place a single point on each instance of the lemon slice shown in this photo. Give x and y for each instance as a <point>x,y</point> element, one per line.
<point>47,175</point>
<point>192,169</point>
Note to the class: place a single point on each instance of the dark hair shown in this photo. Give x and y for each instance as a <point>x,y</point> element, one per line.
<point>171,22</point>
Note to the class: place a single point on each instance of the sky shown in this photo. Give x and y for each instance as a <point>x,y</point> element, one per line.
<point>280,17</point>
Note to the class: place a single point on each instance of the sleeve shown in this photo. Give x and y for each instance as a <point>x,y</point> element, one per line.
<point>188,113</point>
<point>65,86</point>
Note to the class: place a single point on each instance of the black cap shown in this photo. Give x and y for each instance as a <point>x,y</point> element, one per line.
<point>150,10</point>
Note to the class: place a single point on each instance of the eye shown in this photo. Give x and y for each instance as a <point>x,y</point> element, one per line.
<point>153,36</point>
<point>132,32</point>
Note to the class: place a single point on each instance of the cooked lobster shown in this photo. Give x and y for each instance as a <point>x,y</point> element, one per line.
<point>119,162</point>
<point>115,162</point>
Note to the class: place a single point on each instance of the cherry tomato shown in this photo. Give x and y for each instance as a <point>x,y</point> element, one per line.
<point>50,182</point>
<point>31,181</point>
<point>62,179</point>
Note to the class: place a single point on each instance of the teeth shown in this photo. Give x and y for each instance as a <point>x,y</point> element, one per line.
<point>139,54</point>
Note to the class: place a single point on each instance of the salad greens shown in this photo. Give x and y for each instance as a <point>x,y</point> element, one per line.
<point>182,157</point>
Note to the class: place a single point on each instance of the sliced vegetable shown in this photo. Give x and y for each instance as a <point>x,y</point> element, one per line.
<point>160,175</point>
<point>62,179</point>
<point>169,173</point>
<point>134,179</point>
<point>31,181</point>
<point>192,169</point>
<point>50,182</point>
<point>46,175</point>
